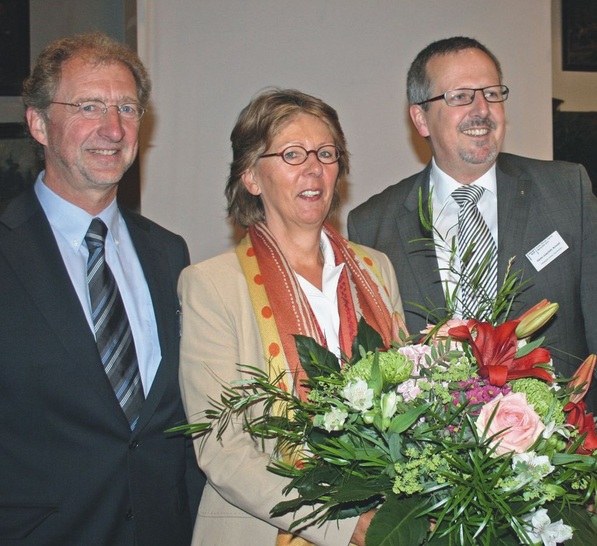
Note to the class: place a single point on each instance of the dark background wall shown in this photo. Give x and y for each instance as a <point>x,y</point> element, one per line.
<point>51,19</point>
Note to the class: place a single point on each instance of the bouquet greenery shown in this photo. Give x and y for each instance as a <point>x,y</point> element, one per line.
<point>465,437</point>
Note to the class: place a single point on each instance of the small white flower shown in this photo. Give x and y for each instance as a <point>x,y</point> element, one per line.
<point>531,466</point>
<point>358,395</point>
<point>334,419</point>
<point>551,428</point>
<point>542,531</point>
<point>389,404</point>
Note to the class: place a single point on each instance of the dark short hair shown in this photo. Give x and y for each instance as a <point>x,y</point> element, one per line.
<point>257,125</point>
<point>418,82</point>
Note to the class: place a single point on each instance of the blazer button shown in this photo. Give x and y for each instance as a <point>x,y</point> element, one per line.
<point>129,514</point>
<point>134,445</point>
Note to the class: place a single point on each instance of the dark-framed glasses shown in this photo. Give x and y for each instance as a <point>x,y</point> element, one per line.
<point>95,109</point>
<point>462,97</point>
<point>297,155</point>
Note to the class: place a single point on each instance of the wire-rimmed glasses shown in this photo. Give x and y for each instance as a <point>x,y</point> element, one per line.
<point>95,109</point>
<point>464,96</point>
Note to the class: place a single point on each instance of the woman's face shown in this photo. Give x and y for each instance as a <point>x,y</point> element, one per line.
<point>295,196</point>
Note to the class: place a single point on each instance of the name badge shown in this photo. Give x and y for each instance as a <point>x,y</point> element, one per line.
<point>547,251</point>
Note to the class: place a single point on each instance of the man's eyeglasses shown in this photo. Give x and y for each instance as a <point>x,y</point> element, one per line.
<point>462,97</point>
<point>297,155</point>
<point>95,109</point>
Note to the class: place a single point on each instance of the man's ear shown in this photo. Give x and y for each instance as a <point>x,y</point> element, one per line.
<point>419,119</point>
<point>37,125</point>
<point>250,182</point>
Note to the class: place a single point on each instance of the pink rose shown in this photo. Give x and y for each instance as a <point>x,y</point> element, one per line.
<point>514,414</point>
<point>442,331</point>
<point>441,334</point>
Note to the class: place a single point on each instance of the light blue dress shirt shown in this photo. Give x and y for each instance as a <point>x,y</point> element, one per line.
<point>70,224</point>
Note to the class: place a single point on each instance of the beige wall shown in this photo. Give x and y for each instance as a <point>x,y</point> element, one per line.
<point>208,57</point>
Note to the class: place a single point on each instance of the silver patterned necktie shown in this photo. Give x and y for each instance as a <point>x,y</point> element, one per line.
<point>112,329</point>
<point>478,255</point>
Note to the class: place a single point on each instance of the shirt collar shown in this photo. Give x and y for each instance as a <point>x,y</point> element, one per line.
<point>72,222</point>
<point>443,184</point>
<point>330,275</point>
<point>329,260</point>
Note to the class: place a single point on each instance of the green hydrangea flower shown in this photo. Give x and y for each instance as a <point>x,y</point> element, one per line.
<point>395,368</point>
<point>540,395</point>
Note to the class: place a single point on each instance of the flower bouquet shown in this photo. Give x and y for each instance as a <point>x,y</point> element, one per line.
<point>463,437</point>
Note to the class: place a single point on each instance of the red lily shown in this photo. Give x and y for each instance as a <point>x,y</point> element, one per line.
<point>585,423</point>
<point>494,348</point>
<point>582,378</point>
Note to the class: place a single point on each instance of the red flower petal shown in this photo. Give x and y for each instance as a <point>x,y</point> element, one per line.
<point>494,349</point>
<point>585,424</point>
<point>590,441</point>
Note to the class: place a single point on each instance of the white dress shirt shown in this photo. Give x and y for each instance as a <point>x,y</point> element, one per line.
<point>445,220</point>
<point>70,224</point>
<point>325,302</point>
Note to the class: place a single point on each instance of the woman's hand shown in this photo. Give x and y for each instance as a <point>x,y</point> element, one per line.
<point>358,537</point>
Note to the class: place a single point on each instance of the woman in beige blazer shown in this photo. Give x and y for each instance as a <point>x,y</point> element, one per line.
<point>291,274</point>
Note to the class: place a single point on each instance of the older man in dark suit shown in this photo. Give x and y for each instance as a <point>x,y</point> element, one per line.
<point>541,213</point>
<point>89,323</point>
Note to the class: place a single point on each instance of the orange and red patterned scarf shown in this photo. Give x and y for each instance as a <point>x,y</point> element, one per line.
<point>282,309</point>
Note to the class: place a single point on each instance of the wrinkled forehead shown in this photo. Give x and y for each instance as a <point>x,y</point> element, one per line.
<point>89,76</point>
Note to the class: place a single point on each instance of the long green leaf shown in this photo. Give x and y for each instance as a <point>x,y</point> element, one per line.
<point>405,420</point>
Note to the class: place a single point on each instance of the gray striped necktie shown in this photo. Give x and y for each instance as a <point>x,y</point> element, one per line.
<point>478,255</point>
<point>112,329</point>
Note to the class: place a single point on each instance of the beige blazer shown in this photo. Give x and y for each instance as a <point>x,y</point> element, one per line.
<point>219,330</point>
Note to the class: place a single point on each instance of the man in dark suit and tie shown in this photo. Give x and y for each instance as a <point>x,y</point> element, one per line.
<point>542,213</point>
<point>89,323</point>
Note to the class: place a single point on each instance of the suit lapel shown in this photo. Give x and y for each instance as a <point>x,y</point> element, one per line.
<point>31,250</point>
<point>154,265</point>
<point>421,256</point>
<point>514,193</point>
